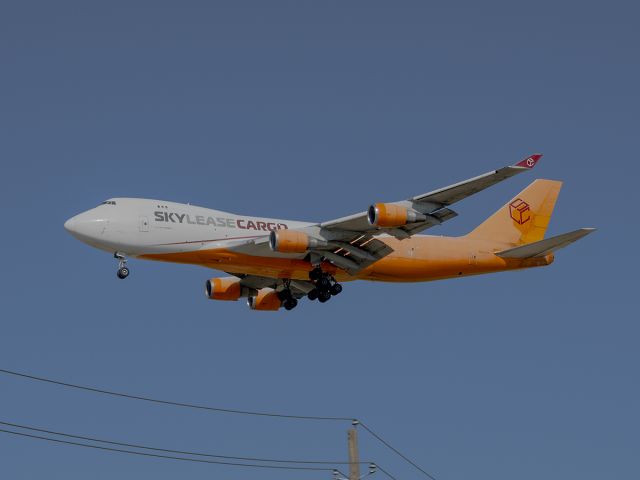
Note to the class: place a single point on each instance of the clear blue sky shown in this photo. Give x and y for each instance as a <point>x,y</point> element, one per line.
<point>313,110</point>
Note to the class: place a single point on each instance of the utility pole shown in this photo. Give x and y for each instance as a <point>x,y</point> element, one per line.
<point>354,455</point>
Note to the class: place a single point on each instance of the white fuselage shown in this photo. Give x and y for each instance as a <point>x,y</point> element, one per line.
<point>135,226</point>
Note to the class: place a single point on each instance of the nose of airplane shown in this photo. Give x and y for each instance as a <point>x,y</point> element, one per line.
<point>70,225</point>
<point>86,226</point>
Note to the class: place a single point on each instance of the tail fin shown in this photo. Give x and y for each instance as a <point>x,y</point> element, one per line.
<point>525,218</point>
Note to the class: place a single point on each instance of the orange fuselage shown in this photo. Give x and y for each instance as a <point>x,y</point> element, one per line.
<point>417,259</point>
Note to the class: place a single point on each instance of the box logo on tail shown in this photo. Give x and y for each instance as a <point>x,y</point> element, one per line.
<point>520,211</point>
<point>524,219</point>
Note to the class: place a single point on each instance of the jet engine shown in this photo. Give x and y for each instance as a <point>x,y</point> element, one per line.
<point>389,215</point>
<point>226,288</point>
<point>291,241</point>
<point>266,299</point>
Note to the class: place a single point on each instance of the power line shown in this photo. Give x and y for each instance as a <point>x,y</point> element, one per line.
<point>385,472</point>
<point>404,457</point>
<point>181,452</point>
<point>169,457</point>
<point>218,409</point>
<point>167,450</point>
<point>170,402</point>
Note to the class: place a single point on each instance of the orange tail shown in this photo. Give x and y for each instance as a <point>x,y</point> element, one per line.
<point>525,218</point>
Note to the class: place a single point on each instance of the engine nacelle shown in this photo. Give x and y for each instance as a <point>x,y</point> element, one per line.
<point>227,288</point>
<point>389,215</point>
<point>292,241</point>
<point>266,299</point>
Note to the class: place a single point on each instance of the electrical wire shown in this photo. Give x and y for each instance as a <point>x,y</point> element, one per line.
<point>404,457</point>
<point>169,457</point>
<point>169,402</point>
<point>167,450</point>
<point>118,450</point>
<point>221,410</point>
<point>385,472</point>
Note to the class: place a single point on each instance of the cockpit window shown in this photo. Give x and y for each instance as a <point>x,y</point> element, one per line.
<point>108,202</point>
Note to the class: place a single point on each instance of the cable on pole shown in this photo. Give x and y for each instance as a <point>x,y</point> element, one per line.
<point>222,410</point>
<point>168,457</point>
<point>170,402</point>
<point>386,473</point>
<point>167,450</point>
<point>404,457</point>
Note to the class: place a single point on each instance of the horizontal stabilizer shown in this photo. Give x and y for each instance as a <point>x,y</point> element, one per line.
<point>544,247</point>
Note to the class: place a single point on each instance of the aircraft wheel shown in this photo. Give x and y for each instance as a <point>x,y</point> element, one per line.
<point>335,289</point>
<point>283,295</point>
<point>324,297</point>
<point>315,274</point>
<point>323,283</point>
<point>290,304</point>
<point>123,272</point>
<point>313,294</point>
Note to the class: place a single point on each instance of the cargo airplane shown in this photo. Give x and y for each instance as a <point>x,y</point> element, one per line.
<point>274,263</point>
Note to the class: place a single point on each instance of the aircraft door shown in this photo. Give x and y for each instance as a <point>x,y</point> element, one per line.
<point>143,223</point>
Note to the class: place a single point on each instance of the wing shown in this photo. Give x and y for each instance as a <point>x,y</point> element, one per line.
<point>434,203</point>
<point>350,242</point>
<point>299,288</point>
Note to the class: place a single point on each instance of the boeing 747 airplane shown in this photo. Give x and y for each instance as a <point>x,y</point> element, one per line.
<point>274,263</point>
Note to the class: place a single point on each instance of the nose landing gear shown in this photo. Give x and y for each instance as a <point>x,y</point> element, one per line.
<point>123,271</point>
<point>325,286</point>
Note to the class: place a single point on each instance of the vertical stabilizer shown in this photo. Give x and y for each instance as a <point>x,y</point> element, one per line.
<point>525,218</point>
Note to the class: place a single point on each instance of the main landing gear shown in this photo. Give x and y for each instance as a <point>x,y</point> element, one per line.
<point>123,271</point>
<point>289,302</point>
<point>325,286</point>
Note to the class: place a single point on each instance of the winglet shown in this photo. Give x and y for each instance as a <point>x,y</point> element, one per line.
<point>530,161</point>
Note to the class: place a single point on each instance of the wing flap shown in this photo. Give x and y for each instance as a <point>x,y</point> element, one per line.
<point>435,218</point>
<point>358,254</point>
<point>544,247</point>
<point>299,288</point>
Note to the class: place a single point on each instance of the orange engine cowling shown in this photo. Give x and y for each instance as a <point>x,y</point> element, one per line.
<point>389,215</point>
<point>266,299</point>
<point>290,241</point>
<point>227,288</point>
